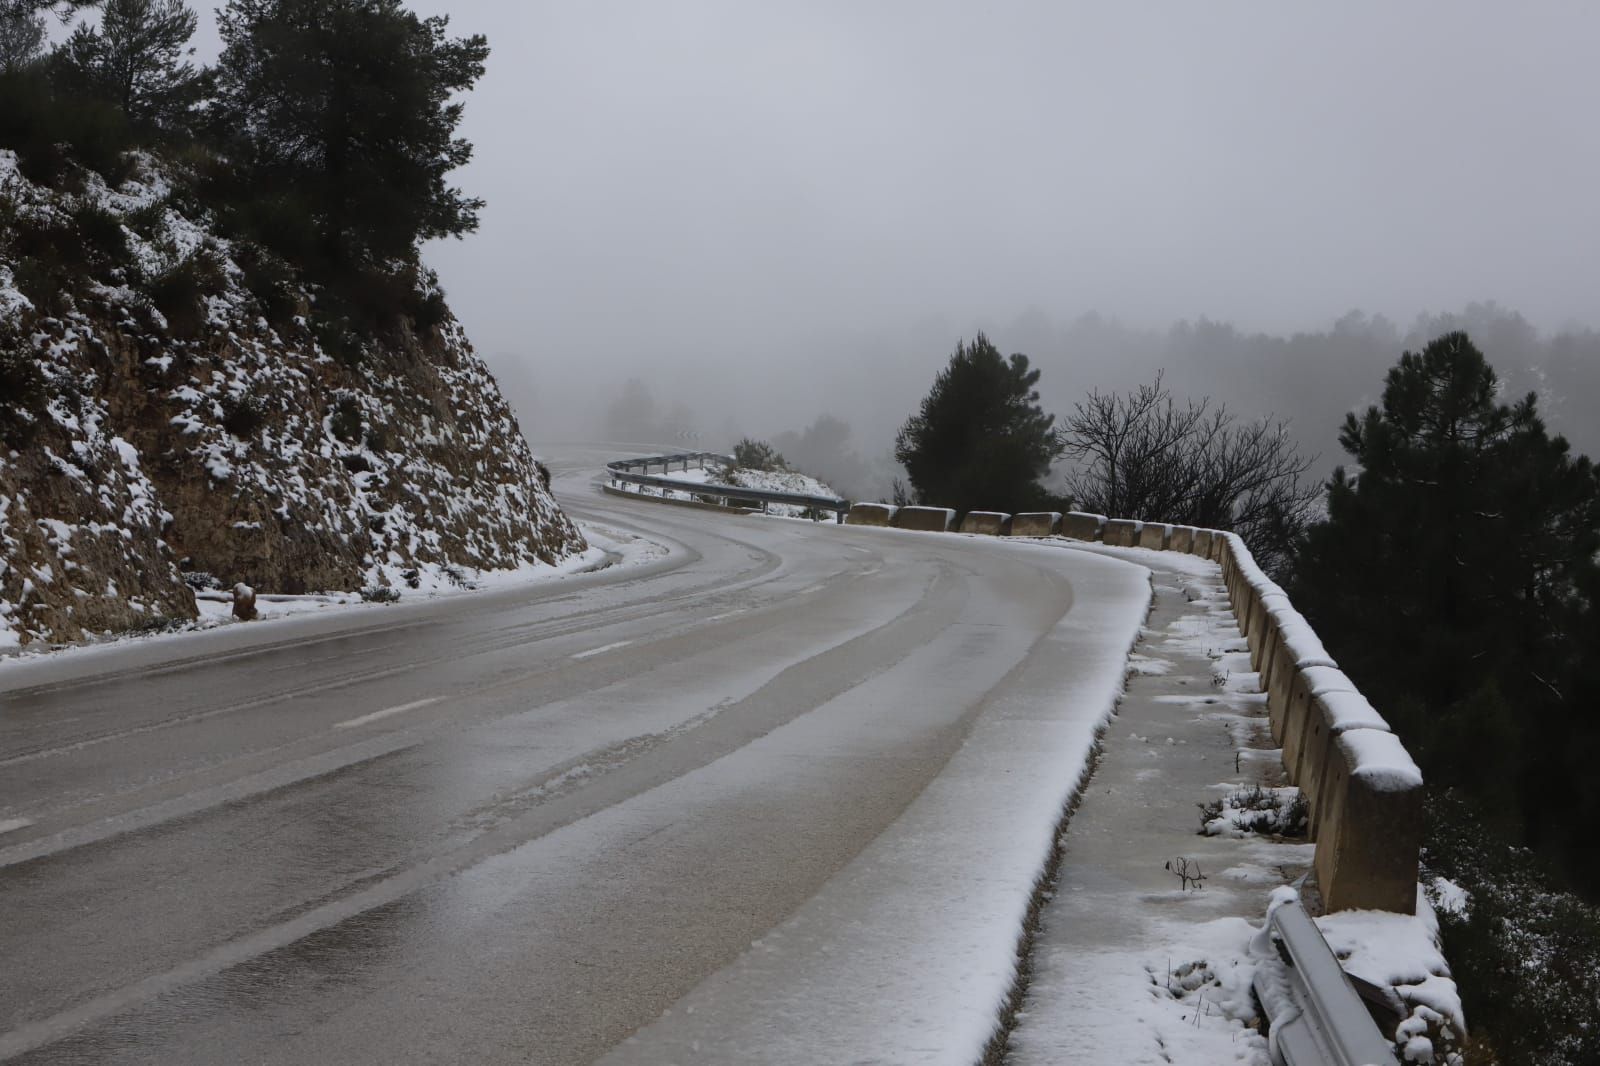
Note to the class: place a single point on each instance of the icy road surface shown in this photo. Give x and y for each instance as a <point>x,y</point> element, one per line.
<point>778,796</point>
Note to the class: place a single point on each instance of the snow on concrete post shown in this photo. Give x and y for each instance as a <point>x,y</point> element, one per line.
<point>1371,833</point>
<point>1260,622</point>
<point>244,602</point>
<point>1310,682</point>
<point>1333,714</point>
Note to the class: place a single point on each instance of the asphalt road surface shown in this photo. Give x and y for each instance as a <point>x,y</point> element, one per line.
<point>515,826</point>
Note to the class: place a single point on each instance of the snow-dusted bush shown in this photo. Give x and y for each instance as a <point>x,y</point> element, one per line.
<point>1525,952</point>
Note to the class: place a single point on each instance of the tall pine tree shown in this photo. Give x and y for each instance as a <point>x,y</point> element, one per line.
<point>22,37</point>
<point>342,116</point>
<point>980,440</point>
<point>136,59</point>
<point>1451,578</point>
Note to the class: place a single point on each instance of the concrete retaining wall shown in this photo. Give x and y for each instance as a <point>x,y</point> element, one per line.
<point>870,514</point>
<point>988,523</point>
<point>926,519</point>
<point>1036,524</point>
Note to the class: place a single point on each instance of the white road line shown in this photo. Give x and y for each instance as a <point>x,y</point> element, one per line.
<point>14,824</point>
<point>602,648</point>
<point>725,614</point>
<point>386,712</point>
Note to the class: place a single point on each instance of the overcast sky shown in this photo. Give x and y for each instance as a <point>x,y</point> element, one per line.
<point>689,183</point>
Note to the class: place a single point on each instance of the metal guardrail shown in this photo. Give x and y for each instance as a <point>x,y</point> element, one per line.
<point>623,470</point>
<point>1315,1016</point>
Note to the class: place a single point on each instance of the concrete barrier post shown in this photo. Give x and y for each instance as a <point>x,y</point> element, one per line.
<point>870,514</point>
<point>987,523</point>
<point>1154,535</point>
<point>1122,532</point>
<point>1182,539</point>
<point>1310,684</point>
<point>1260,623</point>
<point>1201,545</point>
<point>1271,638</point>
<point>1371,834</point>
<point>1334,713</point>
<point>926,519</point>
<point>1036,524</point>
<point>1283,677</point>
<point>1080,525</point>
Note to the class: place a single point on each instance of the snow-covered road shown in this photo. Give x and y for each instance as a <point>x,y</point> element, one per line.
<point>777,795</point>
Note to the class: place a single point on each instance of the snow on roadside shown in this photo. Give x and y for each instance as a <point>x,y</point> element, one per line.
<point>1402,951</point>
<point>1174,989</point>
<point>1133,964</point>
<point>607,547</point>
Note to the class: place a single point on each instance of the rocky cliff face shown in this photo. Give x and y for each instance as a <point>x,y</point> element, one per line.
<point>166,424</point>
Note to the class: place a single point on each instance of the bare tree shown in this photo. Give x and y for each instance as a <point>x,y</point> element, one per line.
<point>1144,455</point>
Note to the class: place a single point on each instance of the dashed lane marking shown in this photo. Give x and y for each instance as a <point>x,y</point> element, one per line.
<point>386,712</point>
<point>602,648</point>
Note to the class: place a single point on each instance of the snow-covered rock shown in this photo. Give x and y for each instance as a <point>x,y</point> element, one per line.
<point>234,447</point>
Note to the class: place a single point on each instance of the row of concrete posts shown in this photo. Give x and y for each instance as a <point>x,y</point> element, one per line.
<point>1364,790</point>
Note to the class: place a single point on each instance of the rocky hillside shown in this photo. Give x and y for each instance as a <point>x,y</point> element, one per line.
<point>174,413</point>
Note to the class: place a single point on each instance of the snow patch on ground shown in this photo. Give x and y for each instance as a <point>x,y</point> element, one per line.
<point>1402,951</point>
<point>607,547</point>
<point>1128,969</point>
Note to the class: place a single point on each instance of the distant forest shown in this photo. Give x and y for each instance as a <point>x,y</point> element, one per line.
<point>844,433</point>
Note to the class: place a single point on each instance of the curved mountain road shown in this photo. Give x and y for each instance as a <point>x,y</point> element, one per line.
<point>776,795</point>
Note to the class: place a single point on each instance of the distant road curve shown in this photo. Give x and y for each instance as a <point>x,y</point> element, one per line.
<point>776,796</point>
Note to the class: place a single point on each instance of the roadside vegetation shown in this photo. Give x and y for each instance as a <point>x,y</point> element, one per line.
<point>1456,580</point>
<point>981,441</point>
<point>319,144</point>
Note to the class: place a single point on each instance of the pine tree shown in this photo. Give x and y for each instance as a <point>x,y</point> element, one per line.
<point>1450,579</point>
<point>135,59</point>
<point>980,440</point>
<point>22,36</point>
<point>27,8</point>
<point>341,114</point>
